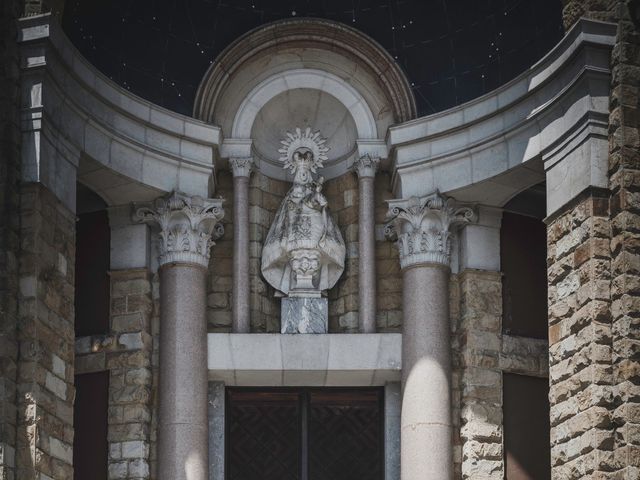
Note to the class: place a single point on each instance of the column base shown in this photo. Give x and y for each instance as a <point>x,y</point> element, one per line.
<point>304,315</point>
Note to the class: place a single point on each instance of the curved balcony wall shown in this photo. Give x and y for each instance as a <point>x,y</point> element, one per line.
<point>486,150</point>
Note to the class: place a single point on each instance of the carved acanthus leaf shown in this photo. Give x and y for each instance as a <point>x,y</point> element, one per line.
<point>366,166</point>
<point>421,227</point>
<point>187,226</point>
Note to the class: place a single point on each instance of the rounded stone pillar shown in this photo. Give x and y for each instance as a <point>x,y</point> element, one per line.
<point>366,167</point>
<point>421,228</point>
<point>241,319</point>
<point>186,228</point>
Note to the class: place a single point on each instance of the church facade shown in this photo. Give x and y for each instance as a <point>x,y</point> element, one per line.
<point>305,278</point>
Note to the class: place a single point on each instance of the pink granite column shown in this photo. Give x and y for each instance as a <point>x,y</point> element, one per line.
<point>241,168</point>
<point>186,227</point>
<point>421,227</point>
<point>366,167</point>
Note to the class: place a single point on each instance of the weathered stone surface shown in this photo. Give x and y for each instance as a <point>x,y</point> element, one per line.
<point>45,366</point>
<point>481,354</point>
<point>579,337</point>
<point>624,184</point>
<point>304,315</point>
<point>127,353</point>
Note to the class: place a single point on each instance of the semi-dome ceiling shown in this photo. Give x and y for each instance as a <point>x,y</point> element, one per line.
<point>303,108</point>
<point>451,50</point>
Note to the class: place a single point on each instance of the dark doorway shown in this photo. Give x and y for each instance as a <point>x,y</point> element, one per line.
<point>93,244</point>
<point>305,434</point>
<point>523,257</point>
<point>526,428</point>
<point>90,447</point>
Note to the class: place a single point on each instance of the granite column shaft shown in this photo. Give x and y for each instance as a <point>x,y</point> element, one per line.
<point>182,421</point>
<point>426,424</point>
<point>366,168</point>
<point>241,320</point>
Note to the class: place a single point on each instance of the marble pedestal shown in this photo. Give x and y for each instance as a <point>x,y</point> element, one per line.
<point>304,315</point>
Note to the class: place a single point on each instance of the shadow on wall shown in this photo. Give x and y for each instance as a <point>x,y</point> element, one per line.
<point>523,257</point>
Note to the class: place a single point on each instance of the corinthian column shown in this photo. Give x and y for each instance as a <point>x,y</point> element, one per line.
<point>186,228</point>
<point>422,229</point>
<point>241,168</point>
<point>366,168</point>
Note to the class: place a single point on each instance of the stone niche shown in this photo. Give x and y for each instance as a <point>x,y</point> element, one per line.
<point>317,74</point>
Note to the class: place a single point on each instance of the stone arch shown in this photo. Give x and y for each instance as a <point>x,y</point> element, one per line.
<point>304,78</point>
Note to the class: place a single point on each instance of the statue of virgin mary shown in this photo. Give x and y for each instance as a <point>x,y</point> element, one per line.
<point>303,255</point>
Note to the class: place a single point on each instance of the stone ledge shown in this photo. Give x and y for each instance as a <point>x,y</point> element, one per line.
<point>310,360</point>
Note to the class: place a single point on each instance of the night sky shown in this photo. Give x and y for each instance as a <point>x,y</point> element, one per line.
<point>451,50</point>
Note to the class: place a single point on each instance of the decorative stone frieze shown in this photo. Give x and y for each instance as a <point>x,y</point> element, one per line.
<point>421,227</point>
<point>188,226</point>
<point>366,166</point>
<point>241,167</point>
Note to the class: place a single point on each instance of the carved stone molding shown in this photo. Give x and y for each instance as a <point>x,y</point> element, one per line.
<point>366,166</point>
<point>241,167</point>
<point>421,227</point>
<point>188,226</point>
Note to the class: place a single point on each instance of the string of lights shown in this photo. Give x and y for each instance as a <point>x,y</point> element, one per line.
<point>451,50</point>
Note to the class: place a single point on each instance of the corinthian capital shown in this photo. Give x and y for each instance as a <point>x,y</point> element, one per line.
<point>241,167</point>
<point>421,227</point>
<point>366,166</point>
<point>187,225</point>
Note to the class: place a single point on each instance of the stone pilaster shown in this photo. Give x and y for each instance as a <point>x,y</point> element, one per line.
<point>130,380</point>
<point>422,229</point>
<point>187,225</point>
<point>45,389</point>
<point>481,376</point>
<point>240,306</point>
<point>366,167</point>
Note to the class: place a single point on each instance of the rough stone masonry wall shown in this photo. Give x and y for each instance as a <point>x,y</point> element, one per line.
<point>624,183</point>
<point>479,397</point>
<point>220,274</point>
<point>388,273</point>
<point>342,195</point>
<point>46,336</point>
<point>456,371</point>
<point>126,352</point>
<point>265,196</point>
<point>580,350</point>
<point>602,328</point>
<point>9,232</point>
<point>481,354</point>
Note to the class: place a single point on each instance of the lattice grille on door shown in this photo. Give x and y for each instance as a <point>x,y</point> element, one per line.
<point>305,434</point>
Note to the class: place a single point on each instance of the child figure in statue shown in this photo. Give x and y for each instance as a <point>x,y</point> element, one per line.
<point>304,253</point>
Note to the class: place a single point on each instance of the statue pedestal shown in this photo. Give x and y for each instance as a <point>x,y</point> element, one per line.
<point>304,315</point>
